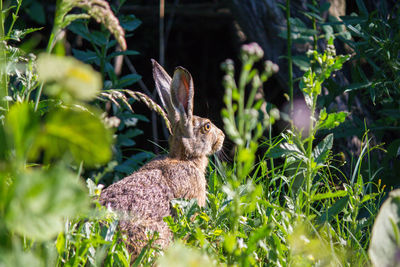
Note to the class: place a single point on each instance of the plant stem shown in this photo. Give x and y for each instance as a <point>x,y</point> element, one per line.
<point>314,23</point>
<point>50,46</point>
<point>3,64</point>
<point>15,17</point>
<point>242,86</point>
<point>311,136</point>
<point>289,55</point>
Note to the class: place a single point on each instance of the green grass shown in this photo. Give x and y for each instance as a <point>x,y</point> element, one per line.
<point>282,201</point>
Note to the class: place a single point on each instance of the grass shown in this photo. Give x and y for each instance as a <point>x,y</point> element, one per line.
<point>283,201</point>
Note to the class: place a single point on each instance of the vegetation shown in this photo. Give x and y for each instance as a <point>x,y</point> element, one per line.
<point>283,200</point>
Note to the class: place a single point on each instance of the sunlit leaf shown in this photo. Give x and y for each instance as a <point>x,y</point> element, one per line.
<point>333,210</point>
<point>72,80</point>
<point>17,35</point>
<point>321,151</point>
<point>40,201</point>
<point>78,132</point>
<point>328,195</point>
<point>22,127</point>
<point>332,120</point>
<point>385,242</point>
<point>180,255</point>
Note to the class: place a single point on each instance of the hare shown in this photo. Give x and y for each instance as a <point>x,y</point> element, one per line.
<point>144,196</point>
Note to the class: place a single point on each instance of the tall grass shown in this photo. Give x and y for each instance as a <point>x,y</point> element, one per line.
<point>283,201</point>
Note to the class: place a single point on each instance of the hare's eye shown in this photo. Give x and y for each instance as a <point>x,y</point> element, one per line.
<point>206,127</point>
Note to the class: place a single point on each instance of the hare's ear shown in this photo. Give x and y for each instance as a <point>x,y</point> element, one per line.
<point>182,93</point>
<point>163,84</point>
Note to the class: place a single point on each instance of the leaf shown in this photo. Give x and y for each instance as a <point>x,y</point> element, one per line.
<point>180,255</point>
<point>328,195</point>
<point>324,7</point>
<point>40,201</point>
<point>301,61</point>
<point>283,150</point>
<point>385,240</point>
<point>4,146</point>
<point>98,38</point>
<point>79,28</point>
<point>332,120</point>
<point>16,256</point>
<point>73,79</point>
<point>129,22</point>
<point>361,7</point>
<point>339,61</point>
<point>22,128</point>
<point>356,86</point>
<point>321,151</point>
<point>334,210</point>
<point>77,132</point>
<point>87,56</point>
<point>37,13</point>
<point>17,35</point>
<point>128,80</point>
<point>124,53</point>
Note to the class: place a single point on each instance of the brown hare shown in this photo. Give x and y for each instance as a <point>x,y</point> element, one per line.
<point>144,197</point>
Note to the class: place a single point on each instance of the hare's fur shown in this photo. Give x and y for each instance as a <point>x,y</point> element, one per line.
<point>143,198</point>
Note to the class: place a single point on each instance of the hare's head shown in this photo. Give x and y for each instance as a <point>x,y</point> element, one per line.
<point>192,136</point>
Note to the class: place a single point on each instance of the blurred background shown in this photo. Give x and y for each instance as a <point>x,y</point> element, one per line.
<point>199,35</point>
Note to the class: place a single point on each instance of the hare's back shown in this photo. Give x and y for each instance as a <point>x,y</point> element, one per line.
<point>143,194</point>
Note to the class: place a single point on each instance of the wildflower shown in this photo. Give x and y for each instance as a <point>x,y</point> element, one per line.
<point>228,65</point>
<point>270,67</point>
<point>253,50</point>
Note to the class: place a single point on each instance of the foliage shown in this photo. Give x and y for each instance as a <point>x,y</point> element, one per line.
<point>283,201</point>
<point>44,145</point>
<point>284,213</point>
<point>384,248</point>
<point>375,75</point>
<point>104,50</point>
<point>241,120</point>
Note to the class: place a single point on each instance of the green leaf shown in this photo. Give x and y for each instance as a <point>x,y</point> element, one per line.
<point>40,201</point>
<point>73,81</point>
<point>128,80</point>
<point>385,240</point>
<point>17,35</point>
<point>124,53</point>
<point>130,22</point>
<point>88,56</point>
<point>80,28</point>
<point>328,195</point>
<point>16,256</point>
<point>22,128</point>
<point>339,61</point>
<point>4,146</point>
<point>361,7</point>
<point>321,151</point>
<point>356,86</point>
<point>334,210</point>
<point>77,132</point>
<point>283,150</point>
<point>332,120</point>
<point>99,38</point>
<point>301,61</point>
<point>324,7</point>
<point>36,12</point>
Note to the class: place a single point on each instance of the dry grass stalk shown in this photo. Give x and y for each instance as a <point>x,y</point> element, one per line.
<point>101,11</point>
<point>114,95</point>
